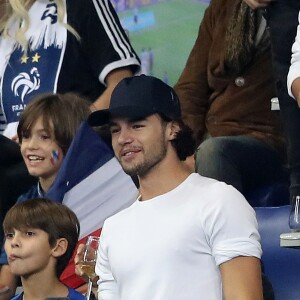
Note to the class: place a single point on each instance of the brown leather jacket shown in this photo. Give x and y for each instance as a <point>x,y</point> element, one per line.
<point>220,104</point>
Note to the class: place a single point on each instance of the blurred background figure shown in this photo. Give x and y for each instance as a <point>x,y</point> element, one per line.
<point>282,36</point>
<point>225,91</point>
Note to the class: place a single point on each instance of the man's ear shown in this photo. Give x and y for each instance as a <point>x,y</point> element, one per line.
<point>173,129</point>
<point>60,248</point>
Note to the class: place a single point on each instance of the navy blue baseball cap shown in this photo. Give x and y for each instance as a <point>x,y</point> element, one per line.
<point>138,97</point>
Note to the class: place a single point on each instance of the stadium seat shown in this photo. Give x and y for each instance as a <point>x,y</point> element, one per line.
<point>276,194</point>
<point>281,265</point>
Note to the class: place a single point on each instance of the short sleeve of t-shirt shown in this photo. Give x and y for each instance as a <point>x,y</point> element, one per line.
<point>222,224</point>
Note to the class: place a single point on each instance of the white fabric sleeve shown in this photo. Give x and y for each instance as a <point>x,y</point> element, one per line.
<point>231,226</point>
<point>107,286</point>
<point>294,70</point>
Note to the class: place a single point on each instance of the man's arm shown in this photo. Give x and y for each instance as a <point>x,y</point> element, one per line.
<point>296,89</point>
<point>112,79</point>
<point>258,3</point>
<point>241,278</point>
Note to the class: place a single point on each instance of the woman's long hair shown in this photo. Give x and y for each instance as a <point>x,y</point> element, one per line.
<point>240,38</point>
<point>17,11</point>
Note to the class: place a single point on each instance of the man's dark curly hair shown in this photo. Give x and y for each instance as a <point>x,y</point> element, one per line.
<point>184,143</point>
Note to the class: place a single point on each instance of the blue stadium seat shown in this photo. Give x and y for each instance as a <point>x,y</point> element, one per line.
<point>281,265</point>
<point>276,194</point>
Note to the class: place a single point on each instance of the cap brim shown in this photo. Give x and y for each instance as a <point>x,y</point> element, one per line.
<point>102,117</point>
<point>99,117</point>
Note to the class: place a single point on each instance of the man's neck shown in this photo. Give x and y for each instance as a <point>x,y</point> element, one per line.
<point>162,179</point>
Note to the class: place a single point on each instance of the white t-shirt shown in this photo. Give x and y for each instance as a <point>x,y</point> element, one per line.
<point>170,247</point>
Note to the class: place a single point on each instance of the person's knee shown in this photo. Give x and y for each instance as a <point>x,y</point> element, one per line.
<point>208,155</point>
<point>218,158</point>
<point>209,151</point>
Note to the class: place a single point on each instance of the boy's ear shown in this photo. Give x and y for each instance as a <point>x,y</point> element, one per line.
<point>60,248</point>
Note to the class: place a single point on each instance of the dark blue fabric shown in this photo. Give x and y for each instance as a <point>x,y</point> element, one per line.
<point>73,295</point>
<point>32,193</point>
<point>3,257</point>
<point>281,265</point>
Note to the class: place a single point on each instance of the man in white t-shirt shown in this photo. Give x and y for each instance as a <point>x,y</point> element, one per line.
<point>187,236</point>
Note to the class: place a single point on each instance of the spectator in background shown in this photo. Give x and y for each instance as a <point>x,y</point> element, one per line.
<point>225,91</point>
<point>46,129</point>
<point>41,236</point>
<point>57,41</point>
<point>282,37</point>
<point>151,60</point>
<point>62,46</point>
<point>145,62</point>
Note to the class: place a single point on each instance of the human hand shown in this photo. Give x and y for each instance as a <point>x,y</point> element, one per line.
<point>15,138</point>
<point>8,283</point>
<point>77,260</point>
<point>78,270</point>
<point>254,4</point>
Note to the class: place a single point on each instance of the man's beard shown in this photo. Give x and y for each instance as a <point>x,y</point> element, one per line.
<point>153,157</point>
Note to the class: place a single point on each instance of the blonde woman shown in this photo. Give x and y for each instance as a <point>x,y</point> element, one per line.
<point>60,46</point>
<point>57,46</point>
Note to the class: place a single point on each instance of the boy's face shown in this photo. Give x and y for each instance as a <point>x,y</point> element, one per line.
<point>28,251</point>
<point>42,156</point>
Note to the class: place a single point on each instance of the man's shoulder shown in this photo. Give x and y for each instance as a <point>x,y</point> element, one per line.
<point>123,214</point>
<point>208,189</point>
<point>201,182</point>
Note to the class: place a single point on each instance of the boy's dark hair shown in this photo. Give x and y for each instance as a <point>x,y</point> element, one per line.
<point>184,143</point>
<point>62,112</point>
<point>56,219</point>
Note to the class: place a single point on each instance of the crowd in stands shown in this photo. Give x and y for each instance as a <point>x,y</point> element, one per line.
<point>194,151</point>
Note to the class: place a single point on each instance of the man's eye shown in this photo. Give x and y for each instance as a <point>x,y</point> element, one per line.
<point>114,130</point>
<point>137,126</point>
<point>9,235</point>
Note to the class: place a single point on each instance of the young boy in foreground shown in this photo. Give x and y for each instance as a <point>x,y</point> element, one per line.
<point>41,236</point>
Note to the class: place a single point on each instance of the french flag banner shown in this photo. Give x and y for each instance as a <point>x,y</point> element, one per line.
<point>92,183</point>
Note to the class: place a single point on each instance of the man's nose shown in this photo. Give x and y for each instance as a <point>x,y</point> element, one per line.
<point>125,136</point>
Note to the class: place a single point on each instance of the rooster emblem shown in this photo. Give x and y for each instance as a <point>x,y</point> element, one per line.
<point>25,83</point>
